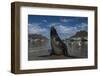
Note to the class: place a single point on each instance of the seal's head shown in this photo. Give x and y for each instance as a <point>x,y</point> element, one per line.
<point>53,31</point>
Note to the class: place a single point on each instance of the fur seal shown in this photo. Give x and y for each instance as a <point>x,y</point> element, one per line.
<point>57,45</point>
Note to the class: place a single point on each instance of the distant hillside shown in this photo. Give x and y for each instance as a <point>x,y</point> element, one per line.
<point>36,40</point>
<point>80,34</point>
<point>37,36</point>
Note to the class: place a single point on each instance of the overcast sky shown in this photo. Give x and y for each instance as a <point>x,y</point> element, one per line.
<point>66,26</point>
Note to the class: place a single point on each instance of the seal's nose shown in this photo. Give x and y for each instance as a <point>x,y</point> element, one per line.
<point>52,28</point>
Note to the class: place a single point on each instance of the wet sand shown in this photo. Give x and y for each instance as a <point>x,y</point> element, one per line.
<point>42,52</point>
<point>41,55</point>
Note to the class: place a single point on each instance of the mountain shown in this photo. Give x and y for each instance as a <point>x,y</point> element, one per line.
<point>80,34</point>
<point>36,36</point>
<point>37,39</point>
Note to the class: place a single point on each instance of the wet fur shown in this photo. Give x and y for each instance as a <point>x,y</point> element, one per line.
<point>61,45</point>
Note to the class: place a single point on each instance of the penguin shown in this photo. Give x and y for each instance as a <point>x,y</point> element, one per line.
<point>57,45</point>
